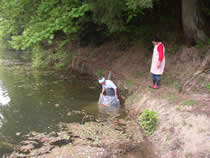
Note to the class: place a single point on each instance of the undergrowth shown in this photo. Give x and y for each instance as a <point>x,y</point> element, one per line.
<point>148,121</point>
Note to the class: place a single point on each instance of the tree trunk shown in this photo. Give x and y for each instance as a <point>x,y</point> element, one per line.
<point>192,21</point>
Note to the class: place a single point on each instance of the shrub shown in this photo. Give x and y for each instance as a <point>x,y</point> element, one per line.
<point>148,121</point>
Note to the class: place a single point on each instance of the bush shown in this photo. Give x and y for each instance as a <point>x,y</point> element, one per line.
<point>148,121</point>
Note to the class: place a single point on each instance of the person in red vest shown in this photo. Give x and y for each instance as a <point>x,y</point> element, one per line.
<point>158,61</point>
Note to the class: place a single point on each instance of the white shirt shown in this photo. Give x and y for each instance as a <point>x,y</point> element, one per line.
<point>154,69</point>
<point>109,84</point>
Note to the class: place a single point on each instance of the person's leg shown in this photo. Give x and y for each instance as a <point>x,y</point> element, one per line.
<point>158,78</point>
<point>153,80</point>
<point>118,93</point>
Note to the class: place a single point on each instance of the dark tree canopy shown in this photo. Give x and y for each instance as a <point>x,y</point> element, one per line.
<point>32,24</point>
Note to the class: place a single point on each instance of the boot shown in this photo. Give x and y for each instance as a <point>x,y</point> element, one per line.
<point>158,83</point>
<point>155,86</point>
<point>154,82</point>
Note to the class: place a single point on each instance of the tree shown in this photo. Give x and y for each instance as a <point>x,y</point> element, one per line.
<point>192,22</point>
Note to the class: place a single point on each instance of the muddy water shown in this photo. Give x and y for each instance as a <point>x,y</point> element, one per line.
<point>31,101</point>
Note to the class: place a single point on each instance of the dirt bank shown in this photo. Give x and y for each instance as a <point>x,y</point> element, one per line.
<point>108,139</point>
<point>183,109</point>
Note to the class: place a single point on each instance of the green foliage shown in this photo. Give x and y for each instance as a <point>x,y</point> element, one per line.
<point>117,14</point>
<point>109,13</point>
<point>148,121</point>
<point>100,72</point>
<point>139,4</point>
<point>47,20</point>
<point>200,44</point>
<point>26,23</point>
<point>135,7</point>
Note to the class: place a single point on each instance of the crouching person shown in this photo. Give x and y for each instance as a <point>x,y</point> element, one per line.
<point>109,87</point>
<point>111,99</point>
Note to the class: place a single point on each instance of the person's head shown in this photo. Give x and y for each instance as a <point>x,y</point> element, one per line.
<point>102,80</point>
<point>155,39</point>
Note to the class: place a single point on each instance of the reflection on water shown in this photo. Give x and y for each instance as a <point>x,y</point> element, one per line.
<point>4,97</point>
<point>1,118</point>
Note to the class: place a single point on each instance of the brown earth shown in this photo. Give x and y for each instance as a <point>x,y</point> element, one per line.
<point>109,139</point>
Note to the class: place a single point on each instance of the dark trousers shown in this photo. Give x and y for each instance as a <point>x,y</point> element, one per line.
<point>111,92</point>
<point>156,79</point>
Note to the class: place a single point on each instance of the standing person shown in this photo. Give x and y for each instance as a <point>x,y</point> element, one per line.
<point>158,61</point>
<point>109,87</point>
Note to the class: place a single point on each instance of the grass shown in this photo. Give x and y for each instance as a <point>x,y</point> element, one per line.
<point>184,122</point>
<point>188,155</point>
<point>176,85</point>
<point>130,99</point>
<point>202,80</point>
<point>178,108</point>
<point>173,97</point>
<point>166,80</point>
<point>167,137</point>
<point>129,83</point>
<point>140,74</point>
<point>188,103</point>
<point>208,86</point>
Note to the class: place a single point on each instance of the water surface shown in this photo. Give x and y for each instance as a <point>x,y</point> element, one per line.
<point>33,101</point>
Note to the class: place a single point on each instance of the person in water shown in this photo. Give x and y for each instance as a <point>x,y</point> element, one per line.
<point>158,61</point>
<point>109,87</point>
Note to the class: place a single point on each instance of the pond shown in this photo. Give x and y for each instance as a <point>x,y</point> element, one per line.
<point>34,101</point>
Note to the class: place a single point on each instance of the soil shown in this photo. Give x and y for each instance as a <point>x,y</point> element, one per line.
<point>108,139</point>
<point>183,118</point>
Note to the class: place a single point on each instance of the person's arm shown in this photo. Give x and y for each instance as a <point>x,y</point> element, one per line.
<point>160,52</point>
<point>115,90</point>
<point>102,92</point>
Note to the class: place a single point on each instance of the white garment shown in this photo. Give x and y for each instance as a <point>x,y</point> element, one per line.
<point>109,84</point>
<point>154,69</point>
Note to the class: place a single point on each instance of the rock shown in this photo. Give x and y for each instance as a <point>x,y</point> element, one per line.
<point>18,134</point>
<point>69,114</point>
<point>26,148</point>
